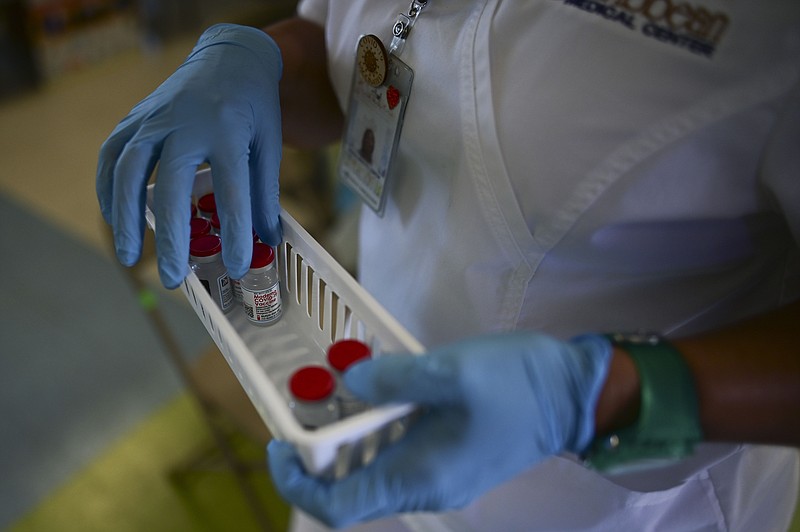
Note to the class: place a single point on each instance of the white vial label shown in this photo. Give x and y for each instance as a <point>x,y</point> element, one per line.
<point>225,291</point>
<point>262,306</point>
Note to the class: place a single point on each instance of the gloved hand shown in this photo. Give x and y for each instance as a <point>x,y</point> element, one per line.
<point>492,407</point>
<point>221,106</point>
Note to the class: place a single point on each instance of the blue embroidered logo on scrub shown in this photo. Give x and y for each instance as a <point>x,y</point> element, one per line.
<point>686,25</point>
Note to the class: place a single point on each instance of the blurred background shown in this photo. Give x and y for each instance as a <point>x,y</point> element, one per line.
<point>117,411</point>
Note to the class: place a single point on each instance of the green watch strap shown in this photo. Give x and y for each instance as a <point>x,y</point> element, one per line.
<point>668,425</point>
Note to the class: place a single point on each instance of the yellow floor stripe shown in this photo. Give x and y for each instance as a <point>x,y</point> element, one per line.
<point>129,487</point>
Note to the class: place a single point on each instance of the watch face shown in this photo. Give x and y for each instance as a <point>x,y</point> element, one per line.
<point>372,60</point>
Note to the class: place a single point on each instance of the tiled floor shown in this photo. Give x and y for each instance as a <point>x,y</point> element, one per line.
<point>135,485</point>
<point>50,138</point>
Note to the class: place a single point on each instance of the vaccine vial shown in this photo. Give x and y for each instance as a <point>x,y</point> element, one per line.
<point>199,227</point>
<point>237,285</point>
<point>312,398</point>
<point>207,206</point>
<point>205,259</point>
<point>341,355</point>
<point>261,293</point>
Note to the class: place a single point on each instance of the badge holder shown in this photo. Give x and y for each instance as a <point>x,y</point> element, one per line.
<point>379,95</point>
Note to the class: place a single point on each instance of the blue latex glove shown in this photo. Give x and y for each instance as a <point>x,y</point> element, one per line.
<point>221,106</point>
<point>493,406</point>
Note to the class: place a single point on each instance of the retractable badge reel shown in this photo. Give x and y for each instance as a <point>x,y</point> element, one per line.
<point>379,95</point>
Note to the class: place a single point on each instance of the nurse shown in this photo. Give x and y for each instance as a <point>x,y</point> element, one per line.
<point>562,178</point>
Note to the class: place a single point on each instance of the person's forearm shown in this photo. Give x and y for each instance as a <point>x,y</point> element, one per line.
<point>311,116</point>
<point>747,378</point>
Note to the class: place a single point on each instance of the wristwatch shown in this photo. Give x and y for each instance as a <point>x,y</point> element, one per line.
<point>668,425</point>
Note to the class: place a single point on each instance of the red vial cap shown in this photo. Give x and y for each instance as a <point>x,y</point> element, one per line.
<point>344,353</point>
<point>199,227</point>
<point>263,255</point>
<point>216,226</point>
<point>311,383</point>
<point>207,203</point>
<point>205,246</point>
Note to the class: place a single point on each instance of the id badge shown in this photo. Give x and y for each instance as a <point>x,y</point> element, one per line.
<point>378,98</point>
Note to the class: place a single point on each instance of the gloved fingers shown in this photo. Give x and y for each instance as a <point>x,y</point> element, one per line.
<point>594,367</point>
<point>424,471</point>
<point>353,499</point>
<point>425,380</point>
<point>131,174</point>
<point>496,405</point>
<point>172,197</point>
<point>109,154</point>
<point>291,480</point>
<point>265,161</point>
<point>231,176</point>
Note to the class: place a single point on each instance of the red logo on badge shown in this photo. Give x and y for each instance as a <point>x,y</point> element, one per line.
<point>392,96</point>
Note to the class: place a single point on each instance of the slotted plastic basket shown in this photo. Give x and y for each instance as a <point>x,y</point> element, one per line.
<point>322,303</point>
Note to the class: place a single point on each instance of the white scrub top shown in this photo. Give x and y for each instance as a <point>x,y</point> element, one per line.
<point>593,165</point>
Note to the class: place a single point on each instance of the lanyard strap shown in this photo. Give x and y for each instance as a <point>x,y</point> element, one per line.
<point>403,24</point>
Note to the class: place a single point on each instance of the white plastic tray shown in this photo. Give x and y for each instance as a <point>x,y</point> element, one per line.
<point>322,303</point>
